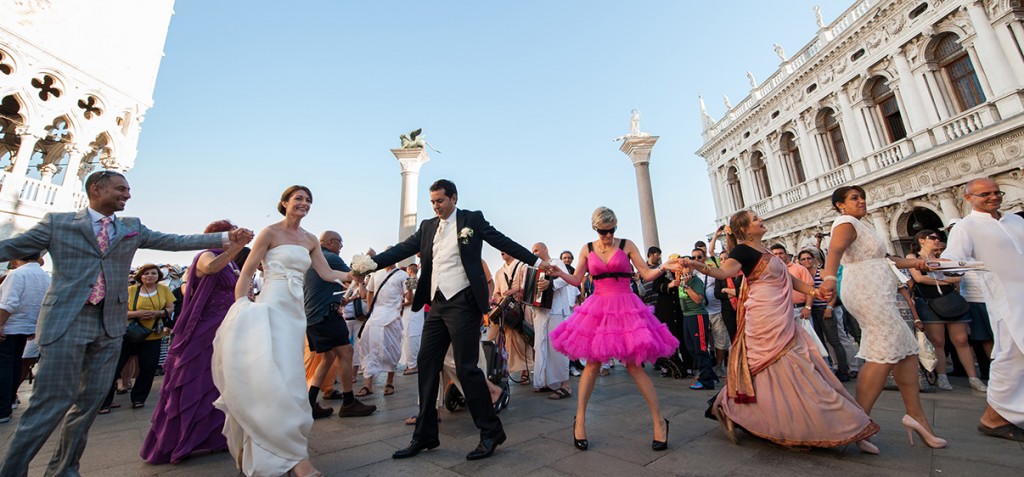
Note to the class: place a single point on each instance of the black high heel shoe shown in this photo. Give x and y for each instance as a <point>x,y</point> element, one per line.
<point>657,445</point>
<point>581,444</point>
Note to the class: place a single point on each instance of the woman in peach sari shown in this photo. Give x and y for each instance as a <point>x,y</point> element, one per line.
<point>778,387</point>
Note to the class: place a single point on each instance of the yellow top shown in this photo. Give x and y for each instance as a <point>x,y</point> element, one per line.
<point>157,302</point>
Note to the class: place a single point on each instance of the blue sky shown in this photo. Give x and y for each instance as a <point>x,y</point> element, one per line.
<point>523,99</point>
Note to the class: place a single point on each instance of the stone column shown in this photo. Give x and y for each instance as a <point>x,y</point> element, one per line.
<point>1009,45</point>
<point>715,192</point>
<point>638,148</point>
<point>849,124</point>
<point>776,169</point>
<point>411,160</point>
<point>19,166</point>
<point>808,153</point>
<point>993,58</point>
<point>878,219</point>
<point>947,205</point>
<point>913,103</point>
<point>71,179</point>
<point>47,171</point>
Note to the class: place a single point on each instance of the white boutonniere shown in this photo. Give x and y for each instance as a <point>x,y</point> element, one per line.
<point>465,234</point>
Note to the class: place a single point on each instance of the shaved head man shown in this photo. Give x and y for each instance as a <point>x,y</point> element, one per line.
<point>551,368</point>
<point>997,240</point>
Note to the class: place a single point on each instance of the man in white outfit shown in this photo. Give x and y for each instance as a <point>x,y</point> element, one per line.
<point>381,336</point>
<point>552,368</point>
<point>997,240</point>
<point>412,323</point>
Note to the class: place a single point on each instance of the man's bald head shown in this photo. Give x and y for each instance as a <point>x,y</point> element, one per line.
<point>980,183</point>
<point>331,240</point>
<point>984,195</point>
<point>539,249</point>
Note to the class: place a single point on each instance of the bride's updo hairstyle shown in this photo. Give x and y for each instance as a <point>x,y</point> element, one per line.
<point>738,224</point>
<point>839,195</point>
<point>287,194</point>
<point>603,216</point>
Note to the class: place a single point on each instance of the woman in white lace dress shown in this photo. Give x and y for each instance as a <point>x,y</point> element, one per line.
<point>869,292</point>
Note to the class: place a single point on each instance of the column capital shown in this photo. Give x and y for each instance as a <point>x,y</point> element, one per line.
<point>638,148</point>
<point>411,160</point>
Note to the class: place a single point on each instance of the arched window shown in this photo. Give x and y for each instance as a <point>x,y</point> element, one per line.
<point>955,62</point>
<point>889,108</point>
<point>760,169</point>
<point>793,161</point>
<point>733,179</point>
<point>834,141</point>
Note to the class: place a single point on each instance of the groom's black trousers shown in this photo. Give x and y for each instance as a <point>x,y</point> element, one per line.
<point>454,321</point>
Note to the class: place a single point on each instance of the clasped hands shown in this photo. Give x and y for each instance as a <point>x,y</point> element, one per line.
<point>240,236</point>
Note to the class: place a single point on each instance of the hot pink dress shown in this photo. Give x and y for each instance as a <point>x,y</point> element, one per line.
<point>613,322</point>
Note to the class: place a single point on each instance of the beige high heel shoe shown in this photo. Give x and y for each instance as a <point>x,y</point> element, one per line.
<point>912,426</point>
<point>727,425</point>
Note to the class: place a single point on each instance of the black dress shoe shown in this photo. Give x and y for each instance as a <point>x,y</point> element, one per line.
<point>502,401</point>
<point>415,447</point>
<point>486,447</point>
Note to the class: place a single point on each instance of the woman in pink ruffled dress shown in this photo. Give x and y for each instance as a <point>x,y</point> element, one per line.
<point>613,323</point>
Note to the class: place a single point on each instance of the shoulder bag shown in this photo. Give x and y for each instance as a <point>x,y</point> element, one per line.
<point>950,306</point>
<point>136,332</point>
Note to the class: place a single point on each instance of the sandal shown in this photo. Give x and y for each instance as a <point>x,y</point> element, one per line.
<point>544,389</point>
<point>137,405</point>
<point>389,389</point>
<point>560,393</point>
<point>104,410</point>
<point>363,392</point>
<point>1007,431</point>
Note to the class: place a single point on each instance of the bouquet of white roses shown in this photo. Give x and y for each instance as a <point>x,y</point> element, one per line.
<point>363,265</point>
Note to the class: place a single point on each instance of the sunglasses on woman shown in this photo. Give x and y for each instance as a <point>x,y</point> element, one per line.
<point>606,231</point>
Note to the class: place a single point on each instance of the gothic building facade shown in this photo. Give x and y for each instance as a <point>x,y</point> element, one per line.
<point>909,99</point>
<point>76,80</point>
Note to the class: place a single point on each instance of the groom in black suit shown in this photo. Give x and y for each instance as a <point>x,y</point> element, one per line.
<point>453,282</point>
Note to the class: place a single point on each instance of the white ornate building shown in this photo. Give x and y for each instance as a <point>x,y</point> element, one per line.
<point>908,98</point>
<point>76,80</point>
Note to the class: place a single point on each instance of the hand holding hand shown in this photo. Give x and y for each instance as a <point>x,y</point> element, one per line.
<point>805,313</point>
<point>674,265</point>
<point>922,265</point>
<point>240,236</point>
<point>826,290</point>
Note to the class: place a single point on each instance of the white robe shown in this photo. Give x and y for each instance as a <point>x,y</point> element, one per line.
<point>1000,245</point>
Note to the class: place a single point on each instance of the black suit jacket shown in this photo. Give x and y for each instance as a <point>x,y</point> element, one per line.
<point>423,242</point>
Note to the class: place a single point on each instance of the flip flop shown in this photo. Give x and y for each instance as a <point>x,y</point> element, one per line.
<point>105,410</point>
<point>407,372</point>
<point>363,392</point>
<point>1008,431</point>
<point>544,389</point>
<point>389,389</point>
<point>560,393</point>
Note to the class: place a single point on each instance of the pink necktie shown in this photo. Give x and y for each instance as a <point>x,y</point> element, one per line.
<point>99,290</point>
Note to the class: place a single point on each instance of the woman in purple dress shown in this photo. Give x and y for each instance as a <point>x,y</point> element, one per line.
<point>185,421</point>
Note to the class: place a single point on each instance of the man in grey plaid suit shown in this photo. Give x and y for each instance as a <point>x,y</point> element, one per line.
<point>84,315</point>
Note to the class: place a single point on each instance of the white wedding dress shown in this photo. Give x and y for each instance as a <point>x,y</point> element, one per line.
<point>258,368</point>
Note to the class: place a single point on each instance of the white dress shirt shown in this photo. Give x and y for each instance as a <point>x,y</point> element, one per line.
<point>563,298</point>
<point>21,295</point>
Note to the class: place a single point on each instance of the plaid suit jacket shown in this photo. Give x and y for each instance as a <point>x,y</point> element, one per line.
<point>77,261</point>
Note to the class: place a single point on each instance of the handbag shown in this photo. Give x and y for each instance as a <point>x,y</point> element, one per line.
<point>513,314</point>
<point>926,352</point>
<point>949,306</point>
<point>136,332</point>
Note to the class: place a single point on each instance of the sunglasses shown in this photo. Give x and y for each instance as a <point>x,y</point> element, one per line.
<point>932,237</point>
<point>606,231</point>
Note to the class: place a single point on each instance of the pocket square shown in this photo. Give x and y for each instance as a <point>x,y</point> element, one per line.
<point>131,234</point>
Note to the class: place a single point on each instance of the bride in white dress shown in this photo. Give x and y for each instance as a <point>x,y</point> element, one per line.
<point>257,353</point>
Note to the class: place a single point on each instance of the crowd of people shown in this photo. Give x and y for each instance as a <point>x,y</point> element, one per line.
<point>775,334</point>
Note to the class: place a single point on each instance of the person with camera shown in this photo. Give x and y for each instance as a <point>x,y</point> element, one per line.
<point>697,325</point>
<point>150,304</point>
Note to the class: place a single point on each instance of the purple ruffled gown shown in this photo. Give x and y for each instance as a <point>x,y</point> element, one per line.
<point>613,322</point>
<point>185,421</point>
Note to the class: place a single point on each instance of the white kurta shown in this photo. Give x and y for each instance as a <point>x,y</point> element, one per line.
<point>552,367</point>
<point>1000,245</point>
<point>382,337</point>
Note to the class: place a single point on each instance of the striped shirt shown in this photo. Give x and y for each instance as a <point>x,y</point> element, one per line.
<point>818,302</point>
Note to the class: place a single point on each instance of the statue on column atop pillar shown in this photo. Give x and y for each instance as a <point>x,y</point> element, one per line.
<point>634,127</point>
<point>415,141</point>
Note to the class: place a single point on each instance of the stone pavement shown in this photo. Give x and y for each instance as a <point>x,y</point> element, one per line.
<point>539,442</point>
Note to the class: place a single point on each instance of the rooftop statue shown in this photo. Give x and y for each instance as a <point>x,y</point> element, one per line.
<point>817,16</point>
<point>750,77</point>
<point>779,51</point>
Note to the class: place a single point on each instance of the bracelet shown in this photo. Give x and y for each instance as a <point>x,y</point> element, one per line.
<point>829,307</point>
<point>807,307</point>
<point>830,278</point>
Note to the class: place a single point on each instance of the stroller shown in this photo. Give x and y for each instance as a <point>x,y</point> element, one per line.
<point>497,359</point>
